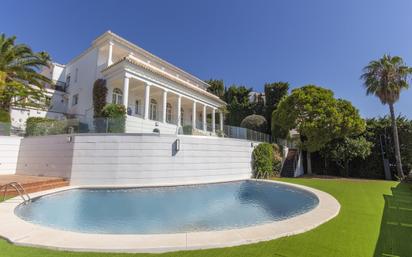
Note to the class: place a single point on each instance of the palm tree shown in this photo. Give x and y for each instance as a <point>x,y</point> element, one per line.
<point>20,81</point>
<point>386,78</point>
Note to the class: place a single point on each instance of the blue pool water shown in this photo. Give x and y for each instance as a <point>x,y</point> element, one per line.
<point>168,209</point>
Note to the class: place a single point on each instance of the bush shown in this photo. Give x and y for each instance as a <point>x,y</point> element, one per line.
<point>4,123</point>
<point>263,160</point>
<point>38,126</point>
<point>116,118</point>
<point>187,130</point>
<point>255,122</point>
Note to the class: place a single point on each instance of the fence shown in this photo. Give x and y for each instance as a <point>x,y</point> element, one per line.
<point>111,125</point>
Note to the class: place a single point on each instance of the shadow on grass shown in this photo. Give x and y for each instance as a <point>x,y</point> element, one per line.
<point>395,238</point>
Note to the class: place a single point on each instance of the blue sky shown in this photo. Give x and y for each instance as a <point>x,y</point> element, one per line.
<point>320,42</point>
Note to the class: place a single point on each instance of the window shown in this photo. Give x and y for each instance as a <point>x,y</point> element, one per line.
<point>168,113</point>
<point>68,80</point>
<point>76,75</point>
<point>153,109</point>
<point>75,99</point>
<point>117,96</point>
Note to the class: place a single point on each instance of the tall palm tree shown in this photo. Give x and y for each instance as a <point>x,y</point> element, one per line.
<point>386,78</point>
<point>20,81</point>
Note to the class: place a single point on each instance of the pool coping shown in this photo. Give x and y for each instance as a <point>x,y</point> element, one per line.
<point>20,232</point>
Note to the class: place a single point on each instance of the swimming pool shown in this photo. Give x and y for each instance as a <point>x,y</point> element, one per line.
<point>163,210</point>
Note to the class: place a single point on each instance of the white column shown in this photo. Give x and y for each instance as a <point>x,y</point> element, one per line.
<point>178,111</point>
<point>213,120</point>
<point>126,91</point>
<point>194,115</point>
<point>164,106</point>
<point>221,120</point>
<point>110,55</point>
<point>146,101</point>
<point>204,118</point>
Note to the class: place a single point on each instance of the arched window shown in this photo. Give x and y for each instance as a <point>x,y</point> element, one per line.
<point>153,109</point>
<point>168,113</point>
<point>117,96</point>
<point>182,112</point>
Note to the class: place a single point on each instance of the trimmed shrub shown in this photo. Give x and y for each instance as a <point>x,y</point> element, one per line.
<point>38,126</point>
<point>187,130</point>
<point>255,122</point>
<point>263,160</point>
<point>116,118</point>
<point>4,123</point>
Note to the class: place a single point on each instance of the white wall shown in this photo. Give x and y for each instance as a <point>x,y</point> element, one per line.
<point>45,156</point>
<point>139,125</point>
<point>9,150</point>
<point>136,159</point>
<point>20,115</point>
<point>86,67</point>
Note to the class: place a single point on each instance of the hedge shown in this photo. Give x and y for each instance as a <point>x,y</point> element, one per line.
<point>38,126</point>
<point>4,123</point>
<point>263,160</point>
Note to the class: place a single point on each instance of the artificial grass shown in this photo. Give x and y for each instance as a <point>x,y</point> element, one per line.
<point>375,220</point>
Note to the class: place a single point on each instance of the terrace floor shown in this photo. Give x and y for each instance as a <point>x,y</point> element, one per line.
<point>32,183</point>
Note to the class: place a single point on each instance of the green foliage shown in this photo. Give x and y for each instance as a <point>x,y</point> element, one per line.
<point>216,87</point>
<point>4,116</point>
<point>343,151</point>
<point>274,92</point>
<point>4,123</point>
<point>380,130</point>
<point>386,78</point>
<point>116,118</point>
<point>238,104</point>
<point>277,159</point>
<point>187,130</point>
<point>263,160</point>
<point>38,126</point>
<point>99,97</point>
<point>20,83</point>
<point>255,122</point>
<point>317,116</point>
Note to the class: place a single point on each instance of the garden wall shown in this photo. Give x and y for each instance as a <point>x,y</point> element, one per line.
<point>9,150</point>
<point>136,159</point>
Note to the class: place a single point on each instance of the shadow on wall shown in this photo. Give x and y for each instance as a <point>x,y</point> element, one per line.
<point>395,238</point>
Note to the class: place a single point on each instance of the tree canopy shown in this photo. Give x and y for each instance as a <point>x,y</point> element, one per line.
<point>255,122</point>
<point>20,82</point>
<point>216,87</point>
<point>318,117</point>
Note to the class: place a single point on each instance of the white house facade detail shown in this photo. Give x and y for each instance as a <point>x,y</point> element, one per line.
<point>156,94</point>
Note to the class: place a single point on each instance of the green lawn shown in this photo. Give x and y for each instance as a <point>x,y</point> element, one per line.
<point>375,220</point>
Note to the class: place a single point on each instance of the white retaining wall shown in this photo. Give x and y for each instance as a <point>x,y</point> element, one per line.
<point>136,159</point>
<point>9,150</point>
<point>45,156</point>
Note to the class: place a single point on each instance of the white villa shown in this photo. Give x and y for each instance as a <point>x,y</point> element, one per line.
<point>156,93</point>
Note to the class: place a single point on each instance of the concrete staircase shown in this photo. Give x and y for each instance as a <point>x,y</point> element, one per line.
<point>37,186</point>
<point>288,168</point>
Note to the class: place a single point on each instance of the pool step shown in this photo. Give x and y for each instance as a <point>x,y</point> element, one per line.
<point>32,187</point>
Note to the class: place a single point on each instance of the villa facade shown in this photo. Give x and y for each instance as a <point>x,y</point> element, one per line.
<point>157,94</point>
